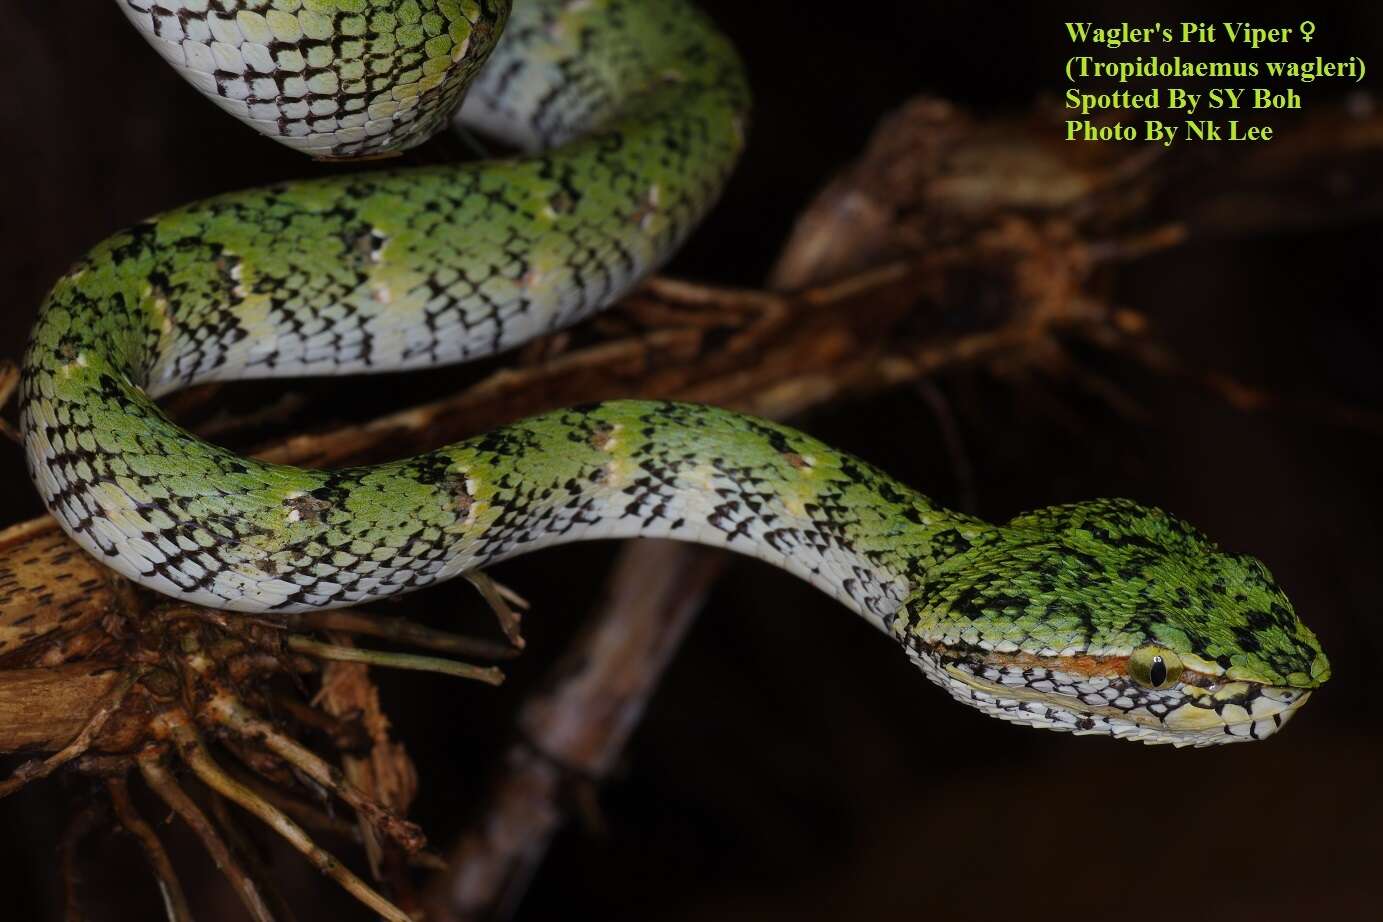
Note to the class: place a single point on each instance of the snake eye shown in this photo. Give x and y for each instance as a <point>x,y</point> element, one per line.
<point>1154,667</point>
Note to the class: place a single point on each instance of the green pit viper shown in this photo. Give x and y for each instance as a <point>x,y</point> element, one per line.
<point>1103,617</point>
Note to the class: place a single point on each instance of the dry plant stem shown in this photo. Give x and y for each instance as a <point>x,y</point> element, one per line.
<point>161,781</point>
<point>174,900</point>
<point>385,771</point>
<point>9,380</point>
<point>401,630</point>
<point>577,726</point>
<point>79,827</point>
<point>243,847</point>
<point>303,814</point>
<point>309,647</point>
<point>499,597</point>
<point>83,822</point>
<point>32,771</point>
<point>344,733</point>
<point>232,713</point>
<point>195,754</point>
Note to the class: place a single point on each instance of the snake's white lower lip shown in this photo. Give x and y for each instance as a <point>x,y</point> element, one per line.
<point>1237,709</point>
<point>1192,716</point>
<point>1266,714</point>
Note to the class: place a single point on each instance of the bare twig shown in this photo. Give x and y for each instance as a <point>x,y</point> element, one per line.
<point>398,629</point>
<point>579,724</point>
<point>236,837</point>
<point>195,754</point>
<point>82,823</point>
<point>161,781</point>
<point>231,712</point>
<point>309,647</point>
<point>386,772</point>
<point>302,813</point>
<point>499,598</point>
<point>9,380</point>
<point>174,900</point>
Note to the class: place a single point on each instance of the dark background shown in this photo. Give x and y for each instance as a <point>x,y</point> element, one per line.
<point>793,764</point>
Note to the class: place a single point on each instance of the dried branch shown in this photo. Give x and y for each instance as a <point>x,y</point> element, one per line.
<point>578,725</point>
<point>45,710</point>
<point>83,822</point>
<point>161,781</point>
<point>401,630</point>
<point>9,381</point>
<point>502,601</point>
<point>229,826</point>
<point>304,814</point>
<point>174,900</point>
<point>386,773</point>
<point>195,754</point>
<point>339,654</point>
<point>230,712</point>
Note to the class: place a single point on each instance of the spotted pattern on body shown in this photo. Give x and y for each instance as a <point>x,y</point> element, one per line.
<point>1102,617</point>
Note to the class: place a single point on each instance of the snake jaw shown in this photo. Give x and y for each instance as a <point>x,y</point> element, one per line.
<point>1102,701</point>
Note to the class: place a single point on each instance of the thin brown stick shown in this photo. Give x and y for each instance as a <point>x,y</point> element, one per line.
<point>385,771</point>
<point>302,813</point>
<point>309,647</point>
<point>499,597</point>
<point>195,754</point>
<point>578,725</point>
<point>231,712</point>
<point>161,781</point>
<point>83,822</point>
<point>174,900</point>
<point>401,630</point>
<point>9,381</point>
<point>306,646</point>
<point>345,733</point>
<point>240,842</point>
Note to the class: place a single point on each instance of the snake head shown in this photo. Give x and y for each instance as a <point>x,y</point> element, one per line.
<point>1114,618</point>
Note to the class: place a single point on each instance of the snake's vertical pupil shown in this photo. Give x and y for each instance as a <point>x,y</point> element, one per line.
<point>1158,672</point>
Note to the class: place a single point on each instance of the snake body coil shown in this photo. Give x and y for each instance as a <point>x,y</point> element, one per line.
<point>1102,617</point>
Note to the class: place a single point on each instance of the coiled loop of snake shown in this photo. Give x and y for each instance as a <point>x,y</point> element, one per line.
<point>632,113</point>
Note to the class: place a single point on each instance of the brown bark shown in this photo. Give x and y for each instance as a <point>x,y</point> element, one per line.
<point>43,709</point>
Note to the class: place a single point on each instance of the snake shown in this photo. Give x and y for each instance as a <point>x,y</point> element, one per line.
<point>626,117</point>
